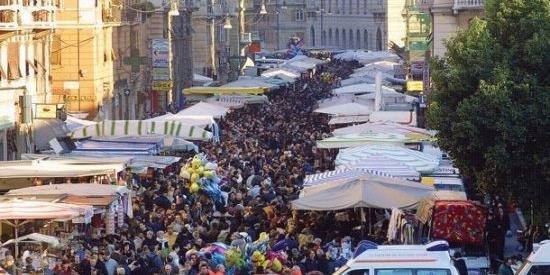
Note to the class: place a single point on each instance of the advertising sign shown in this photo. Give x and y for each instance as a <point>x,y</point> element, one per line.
<point>417,86</point>
<point>161,85</point>
<point>160,53</point>
<point>162,74</point>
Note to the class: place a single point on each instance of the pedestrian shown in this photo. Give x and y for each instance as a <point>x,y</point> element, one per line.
<point>506,267</point>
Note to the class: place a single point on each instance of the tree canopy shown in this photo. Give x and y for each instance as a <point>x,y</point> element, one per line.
<point>491,101</point>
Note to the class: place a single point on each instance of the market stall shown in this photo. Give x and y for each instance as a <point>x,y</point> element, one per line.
<point>141,128</point>
<point>346,109</point>
<point>204,109</point>
<point>366,191</point>
<point>361,88</point>
<point>358,140</point>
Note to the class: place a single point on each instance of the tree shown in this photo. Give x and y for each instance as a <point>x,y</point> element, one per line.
<point>491,101</point>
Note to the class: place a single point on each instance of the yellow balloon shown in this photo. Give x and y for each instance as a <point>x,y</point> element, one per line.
<point>194,177</point>
<point>208,174</point>
<point>194,188</point>
<point>184,174</point>
<point>190,170</point>
<point>200,170</point>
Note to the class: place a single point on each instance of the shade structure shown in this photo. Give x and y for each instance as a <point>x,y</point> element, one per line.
<point>15,209</point>
<point>204,109</point>
<point>118,148</point>
<point>365,191</point>
<point>200,121</point>
<point>346,109</point>
<point>288,73</point>
<point>356,80</point>
<point>224,91</point>
<point>355,140</point>
<point>348,119</point>
<point>74,123</point>
<point>79,189</point>
<point>34,238</point>
<point>252,83</point>
<point>57,169</point>
<point>385,165</point>
<point>421,162</point>
<point>366,57</point>
<point>382,127</point>
<point>360,88</point>
<point>237,101</point>
<point>197,78</point>
<point>141,128</point>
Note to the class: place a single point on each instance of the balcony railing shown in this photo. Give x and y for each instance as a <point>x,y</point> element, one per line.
<point>468,4</point>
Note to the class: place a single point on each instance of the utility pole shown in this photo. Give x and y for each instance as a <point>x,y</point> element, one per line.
<point>180,36</point>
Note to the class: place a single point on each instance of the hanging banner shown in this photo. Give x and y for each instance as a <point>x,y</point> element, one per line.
<point>161,85</point>
<point>160,54</point>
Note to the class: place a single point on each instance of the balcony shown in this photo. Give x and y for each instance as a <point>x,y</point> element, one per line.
<point>468,4</point>
<point>8,20</point>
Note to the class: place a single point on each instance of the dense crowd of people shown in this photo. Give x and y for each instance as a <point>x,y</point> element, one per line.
<point>263,156</point>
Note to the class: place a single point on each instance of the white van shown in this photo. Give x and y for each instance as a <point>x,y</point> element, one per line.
<point>430,259</point>
<point>538,263</point>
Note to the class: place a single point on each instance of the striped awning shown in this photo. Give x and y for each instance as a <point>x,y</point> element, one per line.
<point>142,127</point>
<point>341,174</point>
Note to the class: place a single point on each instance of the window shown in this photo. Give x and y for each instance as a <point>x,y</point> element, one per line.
<point>299,15</point>
<point>324,38</point>
<point>344,42</point>
<point>539,269</point>
<point>323,4</point>
<point>366,39</point>
<point>411,271</point>
<point>358,272</point>
<point>330,37</point>
<point>378,39</point>
<point>343,6</point>
<point>337,38</point>
<point>350,39</point>
<point>358,39</point>
<point>330,6</point>
<point>312,34</point>
<point>350,7</point>
<point>356,6</point>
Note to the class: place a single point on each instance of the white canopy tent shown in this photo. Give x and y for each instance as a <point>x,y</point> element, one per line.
<point>346,109</point>
<point>143,127</point>
<point>354,140</point>
<point>34,238</point>
<point>77,189</point>
<point>348,119</point>
<point>56,169</point>
<point>359,89</point>
<point>204,109</point>
<point>200,121</point>
<point>365,57</point>
<point>237,101</point>
<point>385,165</point>
<point>380,127</point>
<point>248,82</point>
<point>364,191</point>
<point>16,212</point>
<point>281,71</point>
<point>74,123</point>
<point>421,162</point>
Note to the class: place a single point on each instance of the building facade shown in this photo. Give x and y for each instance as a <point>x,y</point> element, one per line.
<point>25,39</point>
<point>449,16</point>
<point>354,24</point>
<point>82,54</point>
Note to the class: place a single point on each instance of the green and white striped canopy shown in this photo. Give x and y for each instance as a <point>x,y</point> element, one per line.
<point>141,128</point>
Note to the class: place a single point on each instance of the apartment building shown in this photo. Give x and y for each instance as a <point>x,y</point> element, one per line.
<point>449,16</point>
<point>25,36</point>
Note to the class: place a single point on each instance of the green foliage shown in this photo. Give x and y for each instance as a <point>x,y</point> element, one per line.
<point>491,101</point>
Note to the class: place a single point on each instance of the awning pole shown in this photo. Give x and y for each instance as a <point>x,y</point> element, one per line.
<point>16,240</point>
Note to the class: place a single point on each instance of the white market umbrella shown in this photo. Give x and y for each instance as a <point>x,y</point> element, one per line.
<point>34,238</point>
<point>385,165</point>
<point>355,140</point>
<point>363,191</point>
<point>204,109</point>
<point>346,109</point>
<point>381,127</point>
<point>421,162</point>
<point>16,212</point>
<point>359,89</point>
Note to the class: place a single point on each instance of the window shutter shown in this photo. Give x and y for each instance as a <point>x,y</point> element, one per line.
<point>13,61</point>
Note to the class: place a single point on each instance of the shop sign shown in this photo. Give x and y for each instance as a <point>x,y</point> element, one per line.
<point>90,98</point>
<point>416,86</point>
<point>160,53</point>
<point>161,85</point>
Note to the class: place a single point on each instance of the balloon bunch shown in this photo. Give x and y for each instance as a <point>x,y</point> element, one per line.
<point>202,176</point>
